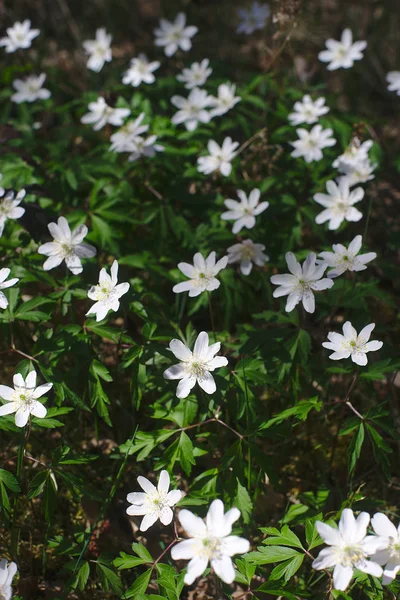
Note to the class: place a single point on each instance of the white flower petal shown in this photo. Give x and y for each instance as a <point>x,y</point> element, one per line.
<point>163,482</point>
<point>193,525</point>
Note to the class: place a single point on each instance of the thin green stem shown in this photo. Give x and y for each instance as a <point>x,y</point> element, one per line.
<point>25,431</point>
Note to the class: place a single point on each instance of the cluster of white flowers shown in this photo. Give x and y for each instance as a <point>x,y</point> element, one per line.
<point>193,109</point>
<point>9,209</point>
<point>349,548</point>
<point>210,541</point>
<point>354,163</point>
<point>129,139</point>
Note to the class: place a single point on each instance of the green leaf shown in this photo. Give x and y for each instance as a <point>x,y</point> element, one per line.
<point>37,484</point>
<point>312,536</point>
<point>5,505</point>
<point>142,551</point>
<point>288,568</point>
<point>108,578</point>
<point>300,411</point>
<point>140,586</point>
<point>82,576</point>
<point>49,497</point>
<point>99,369</point>
<point>127,561</point>
<point>271,554</point>
<point>9,480</point>
<point>354,450</point>
<point>243,501</point>
<point>294,511</point>
<point>285,537</point>
<point>246,569</point>
<point>185,453</point>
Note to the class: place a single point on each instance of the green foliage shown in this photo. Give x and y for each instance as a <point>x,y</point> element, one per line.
<point>286,438</point>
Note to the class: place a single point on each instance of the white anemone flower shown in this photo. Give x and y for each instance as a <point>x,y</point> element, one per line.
<point>225,100</point>
<point>393,79</point>
<point>389,556</point>
<point>311,143</point>
<point>30,89</point>
<point>361,172</point>
<point>244,213</point>
<point>308,111</point>
<point>339,204</point>
<point>253,18</point>
<point>19,36</point>
<point>355,153</point>
<point>210,542</point>
<point>344,259</point>
<point>195,367</point>
<point>351,344</point>
<point>66,246</point>
<point>100,113</point>
<point>342,54</point>
<point>192,110</point>
<point>140,71</point>
<point>7,573</point>
<point>124,140</point>
<point>4,273</point>
<point>174,35</point>
<point>10,206</point>
<point>301,282</point>
<point>246,253</point>
<point>107,293</point>
<point>23,398</point>
<point>99,50</point>
<point>202,274</point>
<point>144,148</point>
<point>220,157</point>
<point>196,75</point>
<point>154,503</point>
<point>349,548</point>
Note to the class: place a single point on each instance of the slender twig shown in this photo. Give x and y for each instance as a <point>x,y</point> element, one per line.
<point>14,349</point>
<point>164,552</point>
<point>154,191</point>
<point>281,48</point>
<point>215,419</point>
<point>28,356</point>
<point>347,399</point>
<point>246,144</point>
